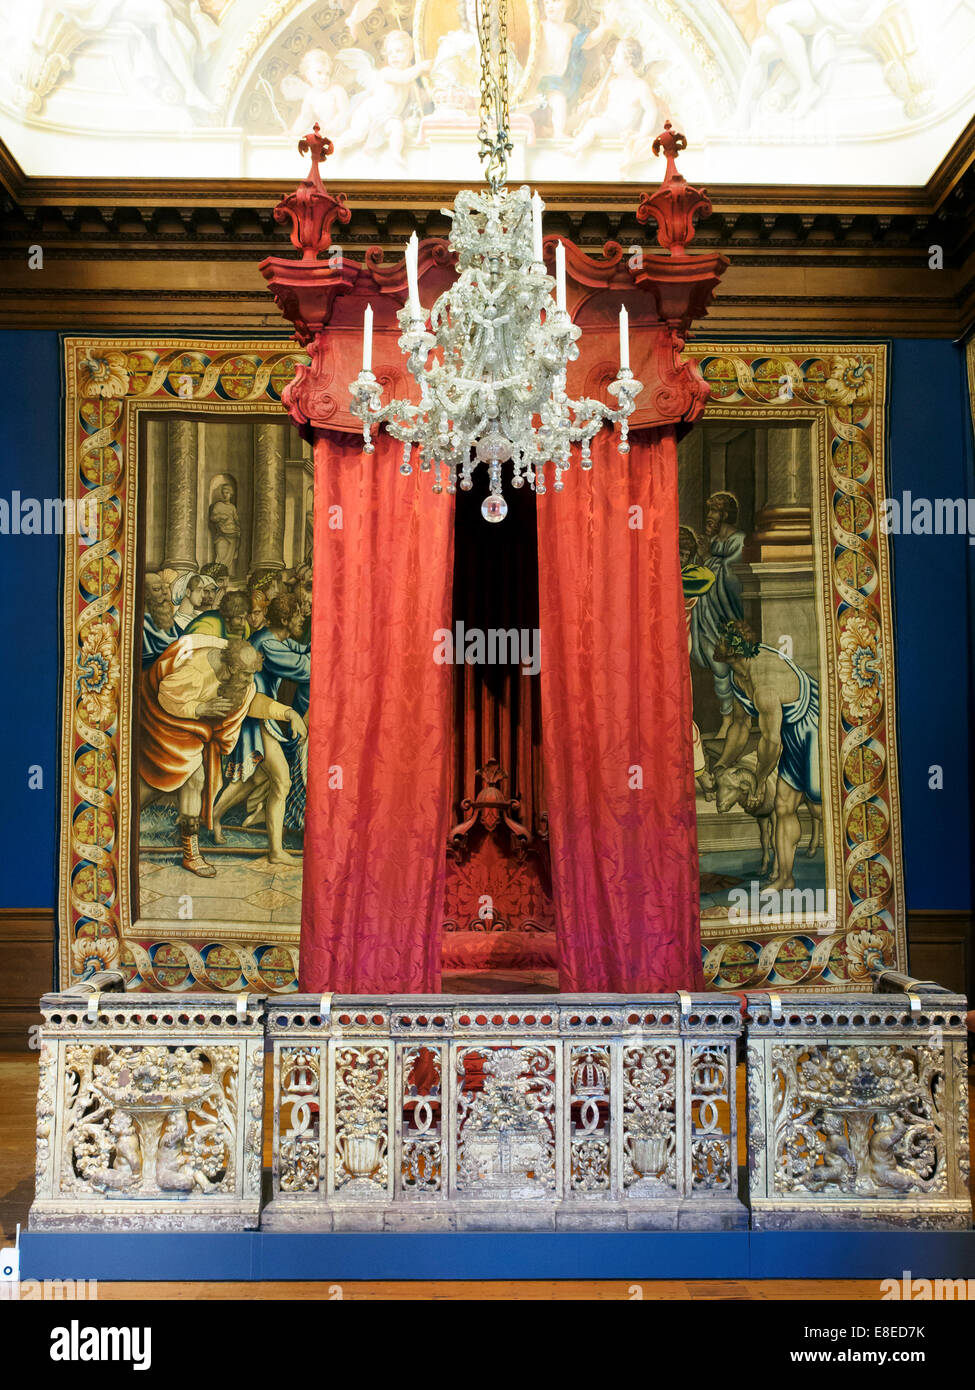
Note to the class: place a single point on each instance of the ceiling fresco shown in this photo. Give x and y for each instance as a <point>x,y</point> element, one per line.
<point>837,92</point>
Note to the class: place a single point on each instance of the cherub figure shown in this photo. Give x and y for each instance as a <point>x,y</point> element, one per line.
<point>126,1166</point>
<point>838,1164</point>
<point>379,117</point>
<point>560,62</point>
<point>174,1168</point>
<point>622,104</point>
<point>799,37</point>
<point>324,101</point>
<point>888,1130</point>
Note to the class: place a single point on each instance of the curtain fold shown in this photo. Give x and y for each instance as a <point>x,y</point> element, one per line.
<point>616,724</point>
<point>379,738</point>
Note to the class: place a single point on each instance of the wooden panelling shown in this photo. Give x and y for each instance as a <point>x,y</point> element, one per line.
<point>115,293</point>
<point>939,947</point>
<point>26,971</point>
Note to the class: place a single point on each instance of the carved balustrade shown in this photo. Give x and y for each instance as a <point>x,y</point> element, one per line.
<point>466,1113</point>
<point>462,1112</point>
<point>149,1112</point>
<point>858,1109</point>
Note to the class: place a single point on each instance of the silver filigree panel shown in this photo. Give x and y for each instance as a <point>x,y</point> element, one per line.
<point>858,1110</point>
<point>149,1113</point>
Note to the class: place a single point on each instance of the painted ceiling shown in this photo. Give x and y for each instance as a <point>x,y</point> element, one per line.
<point>835,92</point>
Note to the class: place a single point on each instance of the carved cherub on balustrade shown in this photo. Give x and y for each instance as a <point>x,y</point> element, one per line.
<point>838,1163</point>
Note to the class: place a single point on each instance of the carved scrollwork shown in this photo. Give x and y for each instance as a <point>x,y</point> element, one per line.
<point>361,1120</point>
<point>649,1117</point>
<point>149,1120</point>
<point>299,1119</point>
<point>589,1124</point>
<point>711,1155</point>
<point>859,1120</point>
<point>423,1153</point>
<point>506,1121</point>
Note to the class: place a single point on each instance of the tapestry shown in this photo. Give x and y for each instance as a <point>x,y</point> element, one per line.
<point>182,813</point>
<point>183,817</point>
<point>787,598</point>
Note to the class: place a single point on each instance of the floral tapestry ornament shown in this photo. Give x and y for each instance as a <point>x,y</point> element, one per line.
<point>850,381</point>
<point>99,670</point>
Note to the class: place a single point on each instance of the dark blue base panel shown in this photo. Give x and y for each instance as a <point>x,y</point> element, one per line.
<point>569,1255</point>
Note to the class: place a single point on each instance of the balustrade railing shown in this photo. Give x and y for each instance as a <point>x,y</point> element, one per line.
<point>858,1109</point>
<point>489,1113</point>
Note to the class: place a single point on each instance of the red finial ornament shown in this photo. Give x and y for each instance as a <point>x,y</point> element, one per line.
<point>311,207</point>
<point>676,204</point>
<point>319,146</point>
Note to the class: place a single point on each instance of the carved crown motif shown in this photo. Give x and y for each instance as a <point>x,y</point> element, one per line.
<point>311,208</point>
<point>676,204</point>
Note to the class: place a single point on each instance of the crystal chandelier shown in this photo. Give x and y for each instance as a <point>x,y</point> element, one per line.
<point>491,365</point>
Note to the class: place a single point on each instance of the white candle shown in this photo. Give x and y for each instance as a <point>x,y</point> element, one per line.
<point>367,339</point>
<point>412,276</point>
<point>537,206</point>
<point>624,339</point>
<point>560,274</point>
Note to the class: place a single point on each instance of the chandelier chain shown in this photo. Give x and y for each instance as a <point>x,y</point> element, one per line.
<point>495,145</point>
<point>491,360</point>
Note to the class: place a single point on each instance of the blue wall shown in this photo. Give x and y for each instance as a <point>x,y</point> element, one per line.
<point>930,454</point>
<point>30,433</point>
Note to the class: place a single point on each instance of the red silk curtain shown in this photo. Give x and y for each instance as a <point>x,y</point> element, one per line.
<point>378,808</point>
<point>616,724</point>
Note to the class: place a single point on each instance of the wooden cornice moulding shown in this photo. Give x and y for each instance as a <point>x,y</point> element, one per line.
<point>12,177</point>
<point>953,167</point>
<point>140,255</point>
<point>410,195</point>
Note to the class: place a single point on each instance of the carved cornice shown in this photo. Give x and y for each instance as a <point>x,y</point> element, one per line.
<point>953,167</point>
<point>156,231</point>
<point>803,258</point>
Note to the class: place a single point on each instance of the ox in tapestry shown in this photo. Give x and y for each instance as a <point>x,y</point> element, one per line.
<point>749,562</point>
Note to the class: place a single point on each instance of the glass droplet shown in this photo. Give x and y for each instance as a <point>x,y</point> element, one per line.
<point>494,508</point>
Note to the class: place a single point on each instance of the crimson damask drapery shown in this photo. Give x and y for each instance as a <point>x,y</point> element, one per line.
<point>616,720</point>
<point>379,734</point>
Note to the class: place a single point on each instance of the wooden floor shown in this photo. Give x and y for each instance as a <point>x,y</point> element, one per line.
<point>515,1291</point>
<point>18,1084</point>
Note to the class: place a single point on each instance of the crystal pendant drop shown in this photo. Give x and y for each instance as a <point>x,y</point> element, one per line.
<point>494,508</point>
